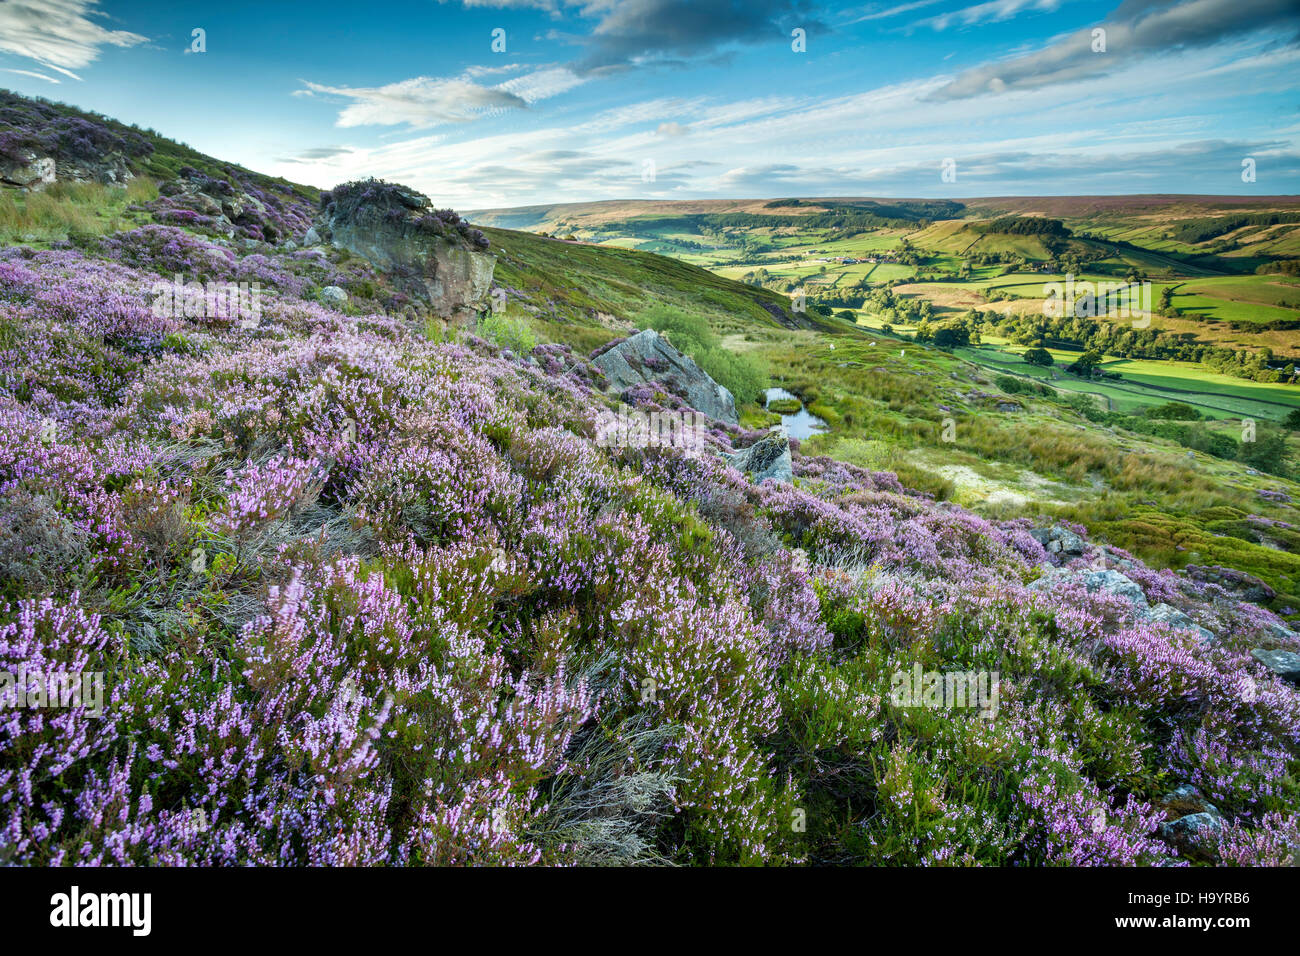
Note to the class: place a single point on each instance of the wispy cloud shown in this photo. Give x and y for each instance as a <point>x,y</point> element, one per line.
<point>887,140</point>
<point>1138,29</point>
<point>992,12</point>
<point>31,73</point>
<point>639,32</point>
<point>878,13</point>
<point>58,34</point>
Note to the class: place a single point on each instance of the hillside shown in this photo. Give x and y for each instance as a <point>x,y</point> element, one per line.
<point>364,589</point>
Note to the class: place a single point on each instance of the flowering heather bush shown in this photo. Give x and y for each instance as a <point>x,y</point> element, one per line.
<point>361,598</point>
<point>29,124</point>
<point>376,201</point>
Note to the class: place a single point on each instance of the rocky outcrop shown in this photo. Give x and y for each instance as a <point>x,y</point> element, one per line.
<point>28,171</point>
<point>648,357</point>
<point>237,205</point>
<point>32,169</point>
<point>433,256</point>
<point>769,457</point>
<point>1122,586</point>
<point>1243,586</point>
<point>1059,540</point>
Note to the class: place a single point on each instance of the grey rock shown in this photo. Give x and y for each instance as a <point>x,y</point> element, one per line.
<point>30,172</point>
<point>289,245</point>
<point>333,295</point>
<point>1185,800</point>
<point>1115,583</point>
<point>32,169</point>
<point>450,276</point>
<point>769,457</point>
<point>1059,540</point>
<point>1285,664</point>
<point>1167,614</point>
<point>648,356</point>
<point>1245,587</point>
<point>311,237</point>
<point>1195,835</point>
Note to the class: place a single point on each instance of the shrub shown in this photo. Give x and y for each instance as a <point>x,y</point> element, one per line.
<point>506,332</point>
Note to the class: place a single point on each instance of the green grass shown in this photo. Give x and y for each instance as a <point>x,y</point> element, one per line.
<point>64,209</point>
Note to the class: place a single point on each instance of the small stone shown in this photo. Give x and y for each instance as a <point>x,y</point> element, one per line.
<point>333,295</point>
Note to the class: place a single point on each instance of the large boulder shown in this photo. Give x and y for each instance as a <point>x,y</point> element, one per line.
<point>769,457</point>
<point>431,255</point>
<point>648,357</point>
<point>27,170</point>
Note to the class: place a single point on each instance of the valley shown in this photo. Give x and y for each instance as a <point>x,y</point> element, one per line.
<point>370,580</point>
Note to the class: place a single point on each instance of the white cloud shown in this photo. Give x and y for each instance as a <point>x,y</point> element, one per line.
<point>994,11</point>
<point>425,101</point>
<point>1139,29</point>
<point>1108,132</point>
<point>32,73</point>
<point>58,34</point>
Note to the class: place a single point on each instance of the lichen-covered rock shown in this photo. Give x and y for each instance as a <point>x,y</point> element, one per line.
<point>1115,583</point>
<point>648,357</point>
<point>1059,540</point>
<point>1244,586</point>
<point>1167,614</point>
<point>1285,664</point>
<point>1195,835</point>
<point>769,457</point>
<point>431,255</point>
<point>333,295</point>
<point>30,171</point>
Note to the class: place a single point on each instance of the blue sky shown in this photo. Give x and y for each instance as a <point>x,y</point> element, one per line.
<point>680,99</point>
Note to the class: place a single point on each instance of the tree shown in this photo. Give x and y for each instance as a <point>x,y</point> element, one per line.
<point>1086,364</point>
<point>950,337</point>
<point>1293,420</point>
<point>1038,357</point>
<point>1266,453</point>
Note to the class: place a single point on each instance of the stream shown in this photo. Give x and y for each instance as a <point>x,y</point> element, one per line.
<point>801,424</point>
